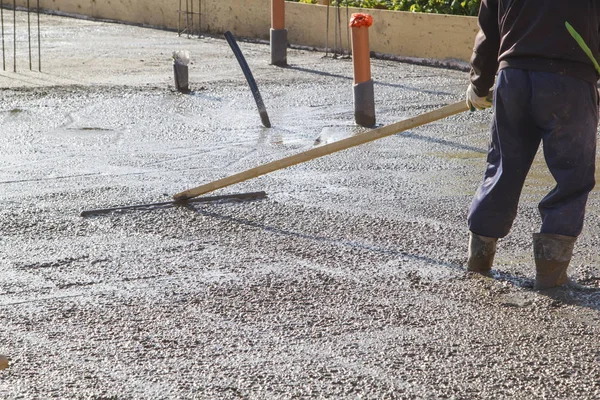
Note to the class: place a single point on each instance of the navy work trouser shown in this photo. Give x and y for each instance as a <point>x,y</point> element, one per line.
<point>558,110</point>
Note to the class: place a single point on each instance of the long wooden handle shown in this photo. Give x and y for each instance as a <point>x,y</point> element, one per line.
<point>321,151</point>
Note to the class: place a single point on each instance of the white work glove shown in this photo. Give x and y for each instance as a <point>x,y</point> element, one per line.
<point>476,102</point>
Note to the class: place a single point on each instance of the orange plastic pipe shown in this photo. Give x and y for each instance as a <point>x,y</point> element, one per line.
<point>277,14</point>
<point>361,53</point>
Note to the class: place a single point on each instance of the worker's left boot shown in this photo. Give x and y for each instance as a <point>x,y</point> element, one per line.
<point>482,250</point>
<point>552,254</point>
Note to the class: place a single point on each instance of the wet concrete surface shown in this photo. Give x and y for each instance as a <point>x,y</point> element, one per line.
<point>348,281</point>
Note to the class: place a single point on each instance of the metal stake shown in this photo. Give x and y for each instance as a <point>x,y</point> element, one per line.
<point>2,19</point>
<point>39,38</point>
<point>192,11</point>
<point>335,38</point>
<point>190,23</point>
<point>29,33</point>
<point>339,14</point>
<point>327,33</point>
<point>347,27</point>
<point>15,34</point>
<point>187,18</point>
<point>179,21</point>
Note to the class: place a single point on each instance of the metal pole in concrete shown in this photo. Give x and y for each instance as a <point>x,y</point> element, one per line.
<point>187,18</point>
<point>181,60</point>
<point>199,18</point>
<point>279,39</point>
<point>364,98</point>
<point>326,3</point>
<point>15,35</point>
<point>339,28</point>
<point>327,30</point>
<point>179,20</point>
<point>39,38</point>
<point>29,33</point>
<point>2,23</point>
<point>335,32</point>
<point>191,12</point>
<point>348,28</point>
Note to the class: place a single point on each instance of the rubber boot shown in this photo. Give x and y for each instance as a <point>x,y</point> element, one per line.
<point>481,253</point>
<point>552,255</point>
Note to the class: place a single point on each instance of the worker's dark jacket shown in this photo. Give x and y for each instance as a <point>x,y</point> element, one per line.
<point>531,34</point>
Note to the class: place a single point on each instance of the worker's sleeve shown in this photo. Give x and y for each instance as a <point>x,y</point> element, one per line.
<point>484,61</point>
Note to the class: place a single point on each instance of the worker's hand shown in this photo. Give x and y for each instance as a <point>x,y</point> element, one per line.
<point>476,102</point>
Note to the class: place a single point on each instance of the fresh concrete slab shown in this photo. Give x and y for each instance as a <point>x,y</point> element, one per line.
<point>348,281</point>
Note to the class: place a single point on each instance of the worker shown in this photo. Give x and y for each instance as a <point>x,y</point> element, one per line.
<point>545,92</point>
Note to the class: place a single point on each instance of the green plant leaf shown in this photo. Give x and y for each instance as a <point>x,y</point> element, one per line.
<point>583,45</point>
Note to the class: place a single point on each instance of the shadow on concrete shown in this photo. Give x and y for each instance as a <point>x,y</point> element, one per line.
<point>323,239</point>
<point>579,295</point>
<point>350,78</point>
<point>576,295</point>
<point>411,135</point>
<point>571,294</point>
<point>589,299</point>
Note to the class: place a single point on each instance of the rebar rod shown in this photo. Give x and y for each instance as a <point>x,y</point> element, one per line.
<point>15,35</point>
<point>348,27</point>
<point>335,38</point>
<point>192,11</point>
<point>29,33</point>
<point>187,18</point>
<point>327,32</point>
<point>2,23</point>
<point>339,14</point>
<point>39,38</point>
<point>179,20</point>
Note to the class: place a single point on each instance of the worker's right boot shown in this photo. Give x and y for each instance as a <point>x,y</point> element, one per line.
<point>552,255</point>
<point>482,250</point>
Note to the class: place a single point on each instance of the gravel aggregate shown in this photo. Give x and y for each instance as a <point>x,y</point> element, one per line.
<point>347,282</point>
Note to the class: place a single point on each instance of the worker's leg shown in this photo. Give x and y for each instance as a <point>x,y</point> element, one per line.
<point>514,143</point>
<point>566,109</point>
